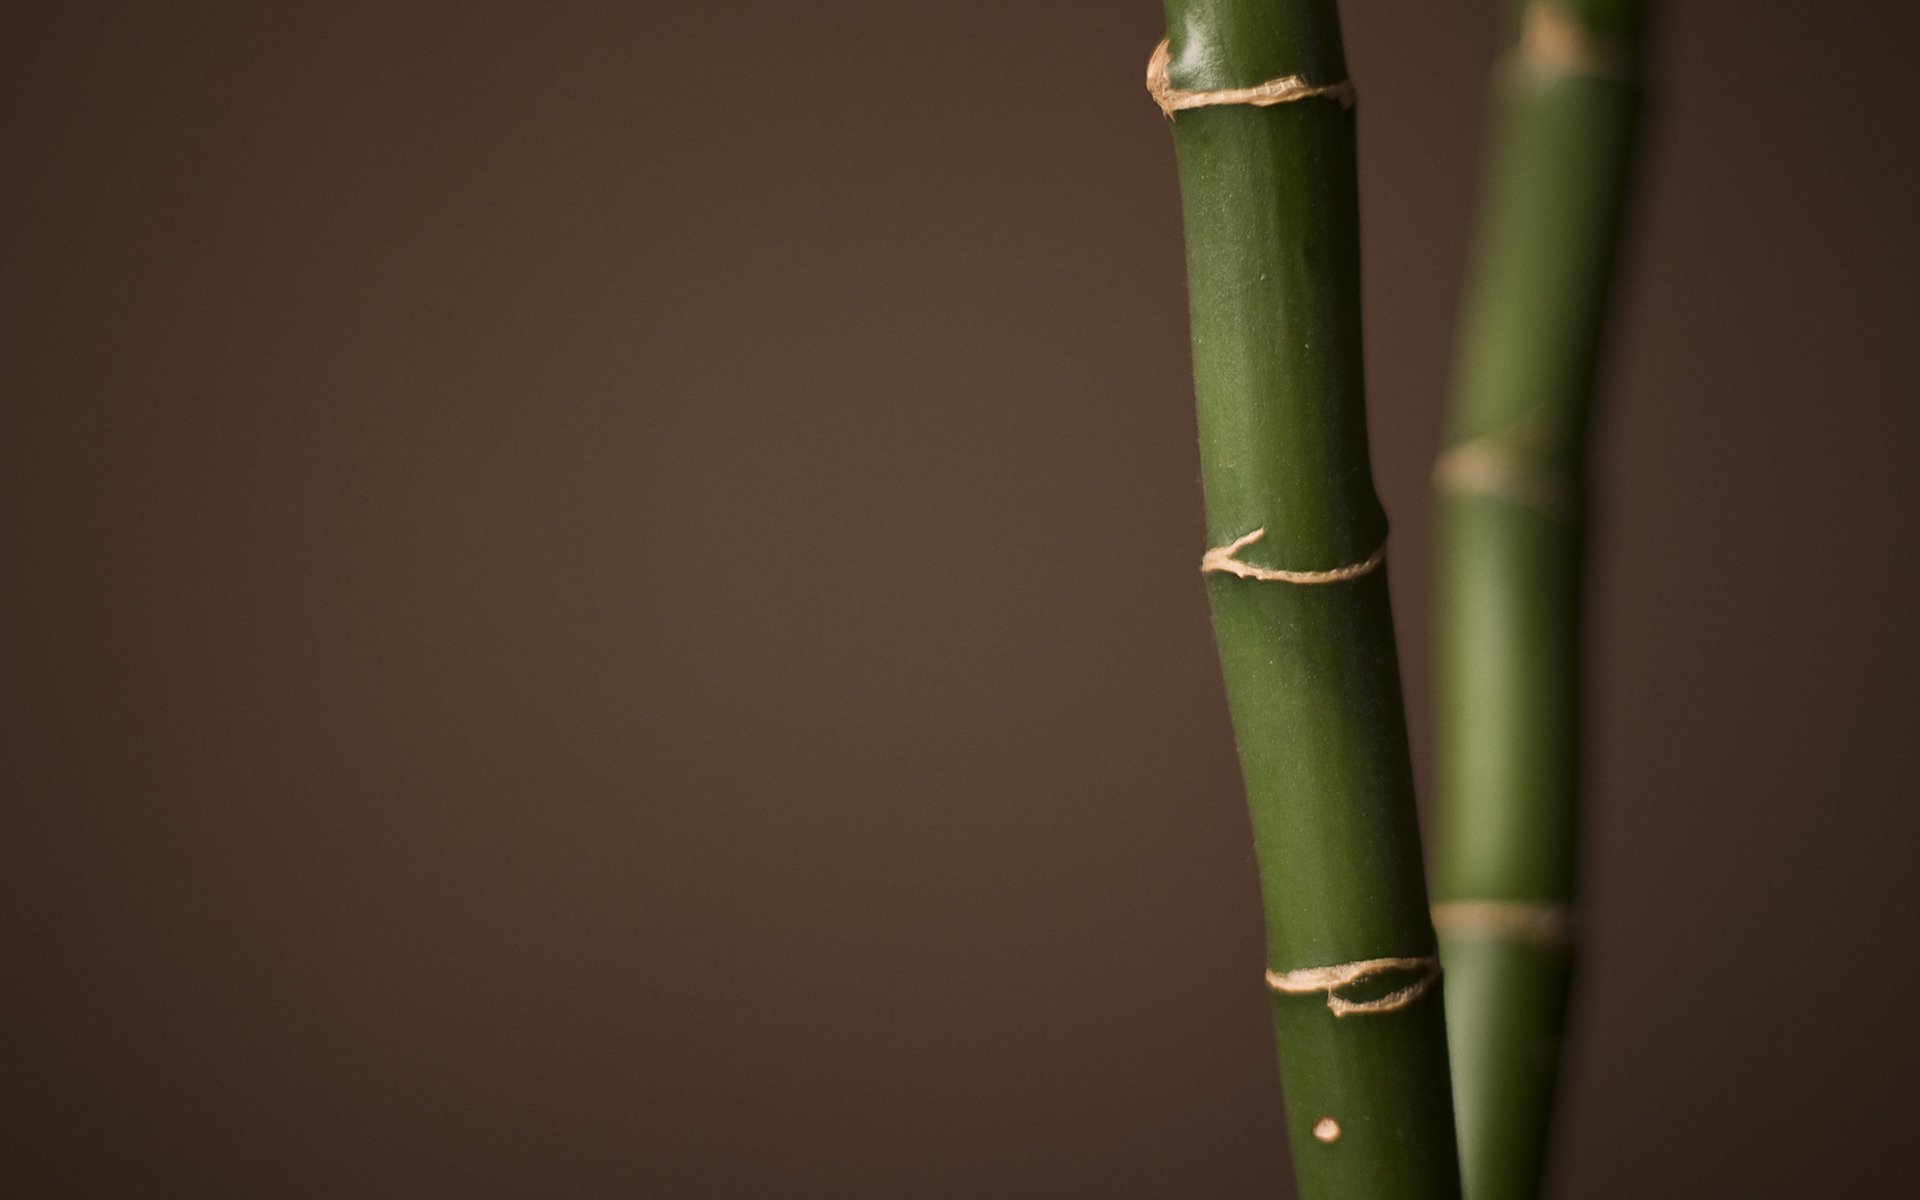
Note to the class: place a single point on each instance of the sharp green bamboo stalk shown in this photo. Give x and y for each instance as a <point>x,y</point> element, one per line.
<point>1508,572</point>
<point>1267,181</point>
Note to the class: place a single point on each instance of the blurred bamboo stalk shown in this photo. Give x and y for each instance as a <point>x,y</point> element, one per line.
<point>1511,492</point>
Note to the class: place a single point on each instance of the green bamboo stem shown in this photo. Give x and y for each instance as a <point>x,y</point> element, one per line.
<point>1272,233</point>
<point>1508,571</point>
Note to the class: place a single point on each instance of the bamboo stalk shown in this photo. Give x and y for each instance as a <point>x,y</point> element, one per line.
<point>1299,596</point>
<point>1511,525</point>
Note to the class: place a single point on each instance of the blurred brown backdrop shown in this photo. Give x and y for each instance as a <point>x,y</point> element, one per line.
<point>539,660</point>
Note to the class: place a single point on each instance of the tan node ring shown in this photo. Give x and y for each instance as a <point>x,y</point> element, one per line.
<point>1504,465</point>
<point>1284,90</point>
<point>1307,980</point>
<point>1546,925</point>
<point>1555,45</point>
<point>1221,560</point>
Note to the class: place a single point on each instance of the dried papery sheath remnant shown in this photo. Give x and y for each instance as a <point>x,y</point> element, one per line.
<point>1345,975</point>
<point>1224,560</point>
<point>1284,90</point>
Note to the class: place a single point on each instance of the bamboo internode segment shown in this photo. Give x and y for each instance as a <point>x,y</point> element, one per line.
<point>1330,980</point>
<point>1546,925</point>
<point>1221,559</point>
<point>1554,45</point>
<point>1284,90</point>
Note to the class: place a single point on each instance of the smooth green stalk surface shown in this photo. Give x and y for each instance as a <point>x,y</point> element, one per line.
<point>1508,585</point>
<point>1272,233</point>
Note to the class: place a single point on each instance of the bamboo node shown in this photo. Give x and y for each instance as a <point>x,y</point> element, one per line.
<point>1284,90</point>
<point>1330,980</point>
<point>1221,560</point>
<point>1509,463</point>
<point>1555,45</point>
<point>1544,924</point>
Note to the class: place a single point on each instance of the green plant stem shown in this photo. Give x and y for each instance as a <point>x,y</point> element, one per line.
<point>1508,570</point>
<point>1272,233</point>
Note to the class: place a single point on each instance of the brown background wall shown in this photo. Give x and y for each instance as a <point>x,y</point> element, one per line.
<point>539,660</point>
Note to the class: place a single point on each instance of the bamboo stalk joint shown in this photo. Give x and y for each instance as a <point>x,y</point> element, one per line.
<point>1221,560</point>
<point>1330,980</point>
<point>1284,90</point>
